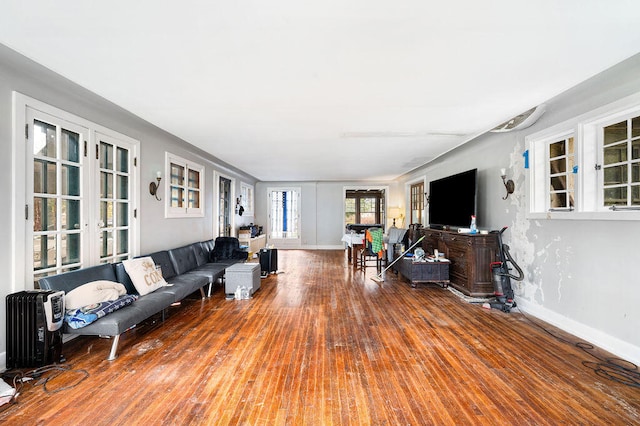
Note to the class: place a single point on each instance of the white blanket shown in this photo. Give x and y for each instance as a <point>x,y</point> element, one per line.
<point>93,292</point>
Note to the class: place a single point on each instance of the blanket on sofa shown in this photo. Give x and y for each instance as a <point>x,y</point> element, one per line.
<point>81,317</point>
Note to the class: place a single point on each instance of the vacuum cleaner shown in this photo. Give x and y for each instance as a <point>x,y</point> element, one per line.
<point>501,277</point>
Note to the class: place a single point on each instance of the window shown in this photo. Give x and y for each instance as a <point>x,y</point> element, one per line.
<point>417,202</point>
<point>588,167</point>
<point>364,206</point>
<point>621,164</point>
<point>246,192</point>
<point>561,174</point>
<point>185,187</point>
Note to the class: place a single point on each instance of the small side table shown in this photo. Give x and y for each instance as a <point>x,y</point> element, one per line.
<point>424,272</point>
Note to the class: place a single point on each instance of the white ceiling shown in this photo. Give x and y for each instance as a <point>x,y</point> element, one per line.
<point>324,90</point>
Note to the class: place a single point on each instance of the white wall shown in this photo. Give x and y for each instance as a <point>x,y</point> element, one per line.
<point>17,73</point>
<point>579,275</point>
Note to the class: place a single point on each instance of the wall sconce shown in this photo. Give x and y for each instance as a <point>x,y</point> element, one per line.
<point>508,184</point>
<point>153,186</point>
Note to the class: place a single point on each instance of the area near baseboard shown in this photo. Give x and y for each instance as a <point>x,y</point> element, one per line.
<point>604,341</point>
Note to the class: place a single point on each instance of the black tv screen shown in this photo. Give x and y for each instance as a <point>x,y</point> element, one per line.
<point>452,200</point>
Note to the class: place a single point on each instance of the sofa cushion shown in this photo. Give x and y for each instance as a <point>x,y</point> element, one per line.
<point>183,259</point>
<point>67,281</point>
<point>144,275</point>
<point>201,252</point>
<point>162,259</point>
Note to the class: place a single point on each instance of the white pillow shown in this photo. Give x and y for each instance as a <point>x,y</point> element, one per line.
<point>92,293</point>
<point>144,275</point>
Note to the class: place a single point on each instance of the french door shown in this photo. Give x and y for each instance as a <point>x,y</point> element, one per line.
<point>79,207</point>
<point>284,217</point>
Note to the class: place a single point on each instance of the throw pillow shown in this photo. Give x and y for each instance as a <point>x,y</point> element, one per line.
<point>144,275</point>
<point>92,293</point>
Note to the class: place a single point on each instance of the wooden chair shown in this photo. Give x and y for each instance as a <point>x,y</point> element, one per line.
<point>367,253</point>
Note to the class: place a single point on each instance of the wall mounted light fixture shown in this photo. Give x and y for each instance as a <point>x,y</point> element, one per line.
<point>153,186</point>
<point>508,184</point>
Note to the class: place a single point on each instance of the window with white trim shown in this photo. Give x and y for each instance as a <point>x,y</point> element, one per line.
<point>246,193</point>
<point>185,187</point>
<point>588,167</point>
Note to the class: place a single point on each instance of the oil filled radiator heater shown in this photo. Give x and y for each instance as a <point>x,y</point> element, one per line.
<point>34,328</point>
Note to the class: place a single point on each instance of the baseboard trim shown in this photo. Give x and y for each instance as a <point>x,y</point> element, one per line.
<point>618,347</point>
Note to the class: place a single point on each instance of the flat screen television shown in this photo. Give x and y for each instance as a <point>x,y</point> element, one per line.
<point>453,200</point>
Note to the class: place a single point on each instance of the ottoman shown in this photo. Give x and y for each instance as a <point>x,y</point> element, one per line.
<point>241,274</point>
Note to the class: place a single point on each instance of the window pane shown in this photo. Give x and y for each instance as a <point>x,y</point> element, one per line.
<point>122,160</point>
<point>558,200</point>
<point>70,214</point>
<point>70,248</point>
<point>123,241</point>
<point>635,195</point>
<point>44,139</point>
<point>44,251</point>
<point>177,197</point>
<point>635,127</point>
<point>106,185</point>
<point>122,218</point>
<point>122,187</point>
<point>615,132</point>
<point>635,172</point>
<point>558,183</point>
<point>615,196</point>
<point>106,213</point>
<point>558,166</point>
<point>615,154</point>
<point>44,177</point>
<point>106,244</point>
<point>194,199</point>
<point>350,205</point>
<point>557,149</point>
<point>177,175</point>
<point>70,146</point>
<point>194,179</point>
<point>368,218</point>
<point>350,218</point>
<point>635,149</point>
<point>615,175</point>
<point>70,180</point>
<point>44,214</point>
<point>106,156</point>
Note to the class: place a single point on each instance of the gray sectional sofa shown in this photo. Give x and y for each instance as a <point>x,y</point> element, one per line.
<point>186,269</point>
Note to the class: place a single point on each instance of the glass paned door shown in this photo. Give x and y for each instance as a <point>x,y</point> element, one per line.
<point>284,217</point>
<point>114,200</point>
<point>55,175</point>
<point>224,207</point>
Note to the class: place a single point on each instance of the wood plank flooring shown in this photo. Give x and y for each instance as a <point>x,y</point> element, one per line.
<point>324,344</point>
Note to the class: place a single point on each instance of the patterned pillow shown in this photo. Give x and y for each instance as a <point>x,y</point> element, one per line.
<point>144,275</point>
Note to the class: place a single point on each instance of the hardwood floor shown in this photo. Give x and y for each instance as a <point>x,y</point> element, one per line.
<point>322,344</point>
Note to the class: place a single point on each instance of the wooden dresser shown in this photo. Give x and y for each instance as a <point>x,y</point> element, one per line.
<point>470,256</point>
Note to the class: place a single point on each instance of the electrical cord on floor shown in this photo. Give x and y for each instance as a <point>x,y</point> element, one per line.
<point>616,369</point>
<point>36,377</point>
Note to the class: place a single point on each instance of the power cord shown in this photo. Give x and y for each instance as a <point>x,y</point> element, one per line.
<point>615,369</point>
<point>36,377</point>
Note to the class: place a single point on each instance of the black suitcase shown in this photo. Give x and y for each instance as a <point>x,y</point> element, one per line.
<point>268,261</point>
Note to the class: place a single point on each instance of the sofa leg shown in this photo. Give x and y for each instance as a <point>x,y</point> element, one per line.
<point>202,292</point>
<point>114,348</point>
<point>209,291</point>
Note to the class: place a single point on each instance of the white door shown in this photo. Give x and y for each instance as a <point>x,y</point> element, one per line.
<point>79,196</point>
<point>284,217</point>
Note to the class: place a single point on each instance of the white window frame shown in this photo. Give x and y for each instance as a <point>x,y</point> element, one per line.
<point>587,132</point>
<point>247,198</point>
<point>185,211</point>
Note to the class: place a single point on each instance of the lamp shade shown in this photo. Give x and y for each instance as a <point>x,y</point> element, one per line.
<point>394,212</point>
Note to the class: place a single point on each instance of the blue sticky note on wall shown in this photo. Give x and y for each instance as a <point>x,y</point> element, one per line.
<point>575,170</point>
<point>526,159</point>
